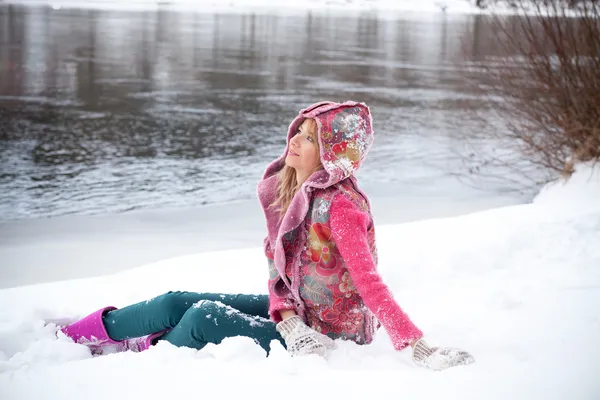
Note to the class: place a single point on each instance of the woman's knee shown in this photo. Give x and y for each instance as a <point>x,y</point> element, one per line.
<point>173,305</point>
<point>205,314</point>
<point>205,308</point>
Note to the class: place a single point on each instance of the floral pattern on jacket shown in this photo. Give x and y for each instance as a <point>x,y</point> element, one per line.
<point>332,304</point>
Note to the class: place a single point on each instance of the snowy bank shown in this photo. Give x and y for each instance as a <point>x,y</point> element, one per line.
<point>518,286</point>
<point>70,247</point>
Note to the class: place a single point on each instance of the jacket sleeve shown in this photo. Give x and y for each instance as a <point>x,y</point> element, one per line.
<point>349,226</point>
<point>280,297</point>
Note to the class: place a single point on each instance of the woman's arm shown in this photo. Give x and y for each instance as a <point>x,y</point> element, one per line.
<point>349,227</point>
<point>280,298</point>
<point>281,302</point>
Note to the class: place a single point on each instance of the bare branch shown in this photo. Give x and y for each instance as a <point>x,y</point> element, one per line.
<point>548,77</point>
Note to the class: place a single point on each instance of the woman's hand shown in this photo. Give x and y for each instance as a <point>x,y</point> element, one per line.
<point>439,358</point>
<point>302,340</point>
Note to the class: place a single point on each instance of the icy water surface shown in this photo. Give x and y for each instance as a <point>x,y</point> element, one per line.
<point>108,111</point>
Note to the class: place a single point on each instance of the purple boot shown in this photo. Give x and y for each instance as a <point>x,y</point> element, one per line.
<point>91,332</point>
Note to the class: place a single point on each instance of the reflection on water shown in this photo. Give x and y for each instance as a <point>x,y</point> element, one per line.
<point>110,110</point>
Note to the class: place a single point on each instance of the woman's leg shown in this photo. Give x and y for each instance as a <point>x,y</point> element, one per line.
<point>212,321</point>
<point>165,312</point>
<point>251,304</point>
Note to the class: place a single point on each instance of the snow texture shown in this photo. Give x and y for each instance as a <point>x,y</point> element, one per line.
<point>517,286</point>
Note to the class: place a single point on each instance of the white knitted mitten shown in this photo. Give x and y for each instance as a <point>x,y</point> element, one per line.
<point>302,340</point>
<point>437,358</point>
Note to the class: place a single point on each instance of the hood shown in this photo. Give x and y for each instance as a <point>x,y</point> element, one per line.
<point>345,136</point>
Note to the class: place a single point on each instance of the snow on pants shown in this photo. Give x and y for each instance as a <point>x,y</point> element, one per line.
<point>195,319</point>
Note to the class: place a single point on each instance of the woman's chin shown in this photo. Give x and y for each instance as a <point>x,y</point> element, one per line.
<point>290,162</point>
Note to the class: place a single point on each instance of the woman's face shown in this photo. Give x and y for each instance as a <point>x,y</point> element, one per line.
<point>303,154</point>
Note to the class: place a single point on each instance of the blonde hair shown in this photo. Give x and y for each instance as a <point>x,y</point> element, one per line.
<point>287,185</point>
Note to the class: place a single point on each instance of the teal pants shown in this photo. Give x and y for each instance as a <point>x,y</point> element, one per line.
<point>195,319</point>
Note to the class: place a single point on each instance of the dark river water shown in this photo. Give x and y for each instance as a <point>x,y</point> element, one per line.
<point>108,111</point>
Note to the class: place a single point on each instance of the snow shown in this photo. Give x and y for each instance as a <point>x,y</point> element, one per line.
<point>576,192</point>
<point>83,246</point>
<point>518,286</point>
<point>423,6</point>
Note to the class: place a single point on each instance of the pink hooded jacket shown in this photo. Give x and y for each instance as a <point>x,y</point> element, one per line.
<point>322,253</point>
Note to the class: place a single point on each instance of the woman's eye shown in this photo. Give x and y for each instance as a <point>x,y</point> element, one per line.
<point>310,139</point>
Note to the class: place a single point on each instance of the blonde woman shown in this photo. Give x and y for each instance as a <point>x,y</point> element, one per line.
<point>320,246</point>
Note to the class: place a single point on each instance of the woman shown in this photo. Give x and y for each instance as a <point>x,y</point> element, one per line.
<point>323,282</point>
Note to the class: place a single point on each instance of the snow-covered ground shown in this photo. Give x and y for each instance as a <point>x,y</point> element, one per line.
<point>83,246</point>
<point>449,6</point>
<point>518,286</point>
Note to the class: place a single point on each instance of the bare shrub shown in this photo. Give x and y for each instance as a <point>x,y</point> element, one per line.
<point>545,86</point>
